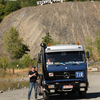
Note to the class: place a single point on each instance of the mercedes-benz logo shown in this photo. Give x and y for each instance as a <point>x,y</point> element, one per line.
<point>66,75</point>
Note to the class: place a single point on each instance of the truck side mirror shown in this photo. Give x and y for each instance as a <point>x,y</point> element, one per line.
<point>43,45</point>
<point>88,55</point>
<point>39,58</point>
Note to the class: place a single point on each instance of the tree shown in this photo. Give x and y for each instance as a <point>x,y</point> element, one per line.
<point>33,2</point>
<point>4,62</point>
<point>2,2</point>
<point>26,3</point>
<point>13,64</point>
<point>26,59</point>
<point>13,44</point>
<point>47,39</point>
<point>12,6</point>
<point>2,7</point>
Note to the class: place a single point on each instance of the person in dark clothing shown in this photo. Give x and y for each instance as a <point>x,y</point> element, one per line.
<point>33,75</point>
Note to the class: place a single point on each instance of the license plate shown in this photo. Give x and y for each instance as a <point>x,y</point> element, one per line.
<point>79,74</point>
<point>67,86</point>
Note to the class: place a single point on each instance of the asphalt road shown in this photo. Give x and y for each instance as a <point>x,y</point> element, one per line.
<point>92,94</point>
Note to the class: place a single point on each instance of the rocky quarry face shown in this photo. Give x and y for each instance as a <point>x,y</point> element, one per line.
<point>67,22</point>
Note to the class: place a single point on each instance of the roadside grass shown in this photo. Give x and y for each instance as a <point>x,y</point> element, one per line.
<point>18,73</point>
<point>13,85</point>
<point>2,73</point>
<point>8,74</point>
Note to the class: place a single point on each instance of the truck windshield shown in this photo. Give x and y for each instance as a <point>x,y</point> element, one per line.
<point>65,56</point>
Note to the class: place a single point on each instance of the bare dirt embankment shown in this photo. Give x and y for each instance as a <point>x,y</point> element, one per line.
<point>67,22</point>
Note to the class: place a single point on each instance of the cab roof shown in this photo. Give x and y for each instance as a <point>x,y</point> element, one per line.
<point>61,48</point>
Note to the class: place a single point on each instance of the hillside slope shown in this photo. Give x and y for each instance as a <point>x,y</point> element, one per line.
<point>67,22</point>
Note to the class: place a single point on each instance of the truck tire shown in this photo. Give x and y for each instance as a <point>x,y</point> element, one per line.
<point>82,94</point>
<point>45,96</point>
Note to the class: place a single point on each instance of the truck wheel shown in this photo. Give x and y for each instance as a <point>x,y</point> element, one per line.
<point>45,96</point>
<point>82,94</point>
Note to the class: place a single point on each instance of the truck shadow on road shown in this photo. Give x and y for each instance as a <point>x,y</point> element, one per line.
<point>74,96</point>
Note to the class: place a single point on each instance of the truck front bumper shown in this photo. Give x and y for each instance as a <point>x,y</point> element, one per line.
<point>65,87</point>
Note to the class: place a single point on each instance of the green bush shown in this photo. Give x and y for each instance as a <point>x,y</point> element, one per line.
<point>2,7</point>
<point>89,46</point>
<point>12,6</point>
<point>24,4</point>
<point>27,3</point>
<point>2,2</point>
<point>34,62</point>
<point>13,64</point>
<point>98,41</point>
<point>22,63</point>
<point>2,73</point>
<point>4,62</point>
<point>25,60</point>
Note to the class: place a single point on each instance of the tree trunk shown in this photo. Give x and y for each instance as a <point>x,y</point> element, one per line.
<point>5,69</point>
<point>13,70</point>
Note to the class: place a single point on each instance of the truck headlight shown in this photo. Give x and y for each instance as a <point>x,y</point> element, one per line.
<point>51,74</point>
<point>51,86</point>
<point>82,84</point>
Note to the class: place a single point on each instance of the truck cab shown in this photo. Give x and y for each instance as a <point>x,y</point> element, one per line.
<point>64,69</point>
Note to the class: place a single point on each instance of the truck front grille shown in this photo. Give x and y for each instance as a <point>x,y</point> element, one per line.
<point>65,75</point>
